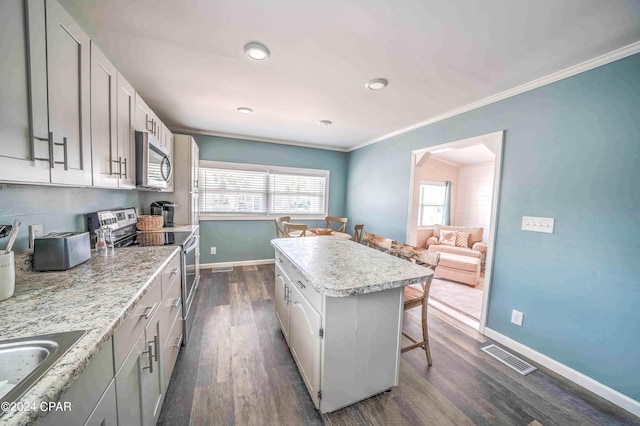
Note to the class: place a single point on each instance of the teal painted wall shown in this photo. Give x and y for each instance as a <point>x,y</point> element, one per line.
<point>572,152</point>
<point>57,208</point>
<point>250,240</point>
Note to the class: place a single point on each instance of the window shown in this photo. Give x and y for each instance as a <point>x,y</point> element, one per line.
<point>432,199</point>
<point>253,191</point>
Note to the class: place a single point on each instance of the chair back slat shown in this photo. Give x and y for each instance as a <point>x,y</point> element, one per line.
<point>279,229</point>
<point>288,227</point>
<point>338,224</point>
<point>357,232</point>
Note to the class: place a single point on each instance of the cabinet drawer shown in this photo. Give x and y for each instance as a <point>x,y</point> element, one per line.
<point>282,262</point>
<point>171,274</point>
<point>134,323</point>
<point>171,307</point>
<point>302,284</point>
<point>170,350</point>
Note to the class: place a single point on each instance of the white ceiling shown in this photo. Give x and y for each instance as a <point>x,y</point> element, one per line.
<point>186,58</point>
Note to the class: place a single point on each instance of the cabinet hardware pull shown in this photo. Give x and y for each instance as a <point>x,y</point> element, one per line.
<point>51,154</point>
<point>156,346</point>
<point>149,310</point>
<point>125,168</point>
<point>280,260</point>
<point>176,302</point>
<point>300,284</point>
<point>150,367</point>
<point>64,150</point>
<point>175,271</point>
<point>119,163</point>
<point>177,345</point>
<point>149,121</point>
<point>33,149</point>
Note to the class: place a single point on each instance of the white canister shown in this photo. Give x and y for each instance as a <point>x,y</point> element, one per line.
<point>7,275</point>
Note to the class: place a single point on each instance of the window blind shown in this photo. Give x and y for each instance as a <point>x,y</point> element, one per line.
<point>262,190</point>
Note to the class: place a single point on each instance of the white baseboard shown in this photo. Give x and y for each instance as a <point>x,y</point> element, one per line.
<point>587,382</point>
<point>238,263</point>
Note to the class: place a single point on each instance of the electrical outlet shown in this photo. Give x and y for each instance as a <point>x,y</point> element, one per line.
<point>34,232</point>
<point>516,317</point>
<point>213,250</point>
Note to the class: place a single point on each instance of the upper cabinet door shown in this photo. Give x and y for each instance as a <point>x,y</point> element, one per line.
<point>126,111</point>
<point>19,88</point>
<point>107,166</point>
<point>69,67</point>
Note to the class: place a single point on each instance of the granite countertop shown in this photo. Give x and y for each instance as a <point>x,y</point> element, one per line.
<point>94,296</point>
<point>339,268</point>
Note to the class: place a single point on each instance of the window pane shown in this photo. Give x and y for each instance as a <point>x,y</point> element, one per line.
<point>301,194</point>
<point>229,191</point>
<point>431,208</point>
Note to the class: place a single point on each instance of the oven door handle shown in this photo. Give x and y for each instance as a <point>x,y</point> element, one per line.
<point>191,243</point>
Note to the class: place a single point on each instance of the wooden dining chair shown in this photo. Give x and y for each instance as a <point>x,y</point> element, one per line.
<point>357,232</point>
<point>417,294</point>
<point>288,227</point>
<point>377,242</point>
<point>338,224</point>
<point>278,221</point>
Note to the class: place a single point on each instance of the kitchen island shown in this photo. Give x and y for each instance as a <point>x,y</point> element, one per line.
<point>96,296</point>
<point>340,305</point>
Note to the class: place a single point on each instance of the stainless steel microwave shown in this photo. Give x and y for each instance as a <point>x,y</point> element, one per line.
<point>153,165</point>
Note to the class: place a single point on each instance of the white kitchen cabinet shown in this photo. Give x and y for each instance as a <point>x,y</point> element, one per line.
<point>45,124</point>
<point>171,317</point>
<point>156,323</point>
<point>167,140</point>
<point>104,135</point>
<point>125,110</point>
<point>145,119</point>
<point>87,394</point>
<point>105,413</point>
<point>68,79</point>
<point>346,348</point>
<point>282,302</point>
<point>186,155</point>
<point>305,330</point>
<point>23,93</point>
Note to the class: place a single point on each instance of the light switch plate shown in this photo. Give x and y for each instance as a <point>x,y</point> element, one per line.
<point>538,224</point>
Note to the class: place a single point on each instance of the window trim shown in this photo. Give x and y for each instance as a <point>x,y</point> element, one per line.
<point>432,183</point>
<point>266,168</point>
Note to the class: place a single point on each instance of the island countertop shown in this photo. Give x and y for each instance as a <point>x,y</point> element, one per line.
<point>340,268</point>
<point>94,296</point>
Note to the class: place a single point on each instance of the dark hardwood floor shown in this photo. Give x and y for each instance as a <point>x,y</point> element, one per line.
<point>237,369</point>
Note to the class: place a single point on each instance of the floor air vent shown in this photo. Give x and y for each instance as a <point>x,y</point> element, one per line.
<point>216,270</point>
<point>512,361</point>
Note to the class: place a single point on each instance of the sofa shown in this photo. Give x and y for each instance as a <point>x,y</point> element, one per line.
<point>462,253</point>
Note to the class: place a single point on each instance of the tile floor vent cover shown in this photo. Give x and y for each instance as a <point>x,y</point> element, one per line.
<point>510,360</point>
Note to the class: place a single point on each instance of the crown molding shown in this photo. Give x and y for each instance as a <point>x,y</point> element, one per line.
<point>255,138</point>
<point>599,61</point>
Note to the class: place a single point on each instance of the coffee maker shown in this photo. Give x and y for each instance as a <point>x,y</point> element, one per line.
<point>166,209</point>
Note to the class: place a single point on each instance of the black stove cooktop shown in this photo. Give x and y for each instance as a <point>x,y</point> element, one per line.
<point>148,239</point>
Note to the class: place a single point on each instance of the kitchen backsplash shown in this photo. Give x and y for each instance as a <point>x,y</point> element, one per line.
<point>56,208</point>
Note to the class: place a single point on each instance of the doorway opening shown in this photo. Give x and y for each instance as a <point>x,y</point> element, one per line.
<point>472,168</point>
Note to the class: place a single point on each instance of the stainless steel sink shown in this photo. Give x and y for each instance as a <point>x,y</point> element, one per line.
<point>24,361</point>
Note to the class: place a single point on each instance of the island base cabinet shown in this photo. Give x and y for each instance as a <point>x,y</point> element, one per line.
<point>282,302</point>
<point>305,341</point>
<point>361,347</point>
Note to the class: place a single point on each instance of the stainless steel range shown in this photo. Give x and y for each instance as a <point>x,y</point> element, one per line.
<point>122,223</point>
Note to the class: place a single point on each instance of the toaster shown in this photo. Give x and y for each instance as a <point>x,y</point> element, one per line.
<point>61,251</point>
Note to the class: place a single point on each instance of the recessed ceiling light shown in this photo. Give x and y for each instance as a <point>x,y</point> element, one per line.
<point>256,51</point>
<point>325,122</point>
<point>245,110</point>
<point>377,84</point>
